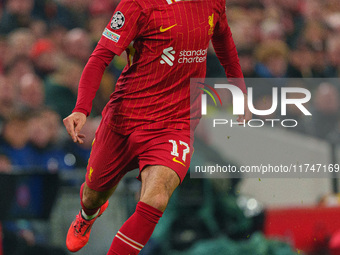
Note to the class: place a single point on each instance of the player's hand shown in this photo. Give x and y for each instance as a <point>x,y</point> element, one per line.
<point>247,113</point>
<point>74,124</point>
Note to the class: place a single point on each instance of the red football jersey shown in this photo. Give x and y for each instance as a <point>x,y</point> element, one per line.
<point>170,39</point>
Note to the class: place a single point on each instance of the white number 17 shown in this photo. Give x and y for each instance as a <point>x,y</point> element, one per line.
<point>174,151</point>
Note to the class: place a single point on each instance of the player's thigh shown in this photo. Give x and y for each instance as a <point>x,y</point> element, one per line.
<point>111,158</point>
<point>167,147</point>
<point>158,184</point>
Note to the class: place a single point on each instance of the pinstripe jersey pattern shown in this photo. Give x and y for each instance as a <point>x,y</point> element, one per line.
<point>170,40</point>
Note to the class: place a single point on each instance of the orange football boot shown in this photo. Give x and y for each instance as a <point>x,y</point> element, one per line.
<point>79,232</point>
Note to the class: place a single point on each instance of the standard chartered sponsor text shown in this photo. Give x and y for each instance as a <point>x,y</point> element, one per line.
<point>192,56</point>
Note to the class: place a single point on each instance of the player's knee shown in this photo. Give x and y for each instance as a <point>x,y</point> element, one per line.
<point>159,201</point>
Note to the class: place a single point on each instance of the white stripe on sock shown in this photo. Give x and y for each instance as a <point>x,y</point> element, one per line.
<point>133,241</point>
<point>135,247</point>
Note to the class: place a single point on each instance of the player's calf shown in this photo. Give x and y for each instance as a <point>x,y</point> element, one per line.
<point>91,199</point>
<point>158,184</point>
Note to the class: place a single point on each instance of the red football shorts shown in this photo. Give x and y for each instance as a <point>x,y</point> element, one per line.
<point>113,154</point>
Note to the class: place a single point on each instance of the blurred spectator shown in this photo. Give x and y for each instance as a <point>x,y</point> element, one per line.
<point>246,33</point>
<point>17,13</point>
<point>102,7</point>
<point>101,12</point>
<point>7,98</point>
<point>333,50</point>
<point>76,13</point>
<point>301,61</point>
<point>78,45</point>
<point>319,62</point>
<point>52,120</point>
<point>17,68</point>
<point>43,129</point>
<point>20,43</point>
<point>98,22</point>
<point>325,110</point>
<point>5,163</point>
<point>14,140</point>
<point>62,86</point>
<point>39,28</point>
<point>272,29</point>
<point>313,10</point>
<point>31,92</point>
<point>315,34</point>
<point>272,59</point>
<point>247,62</point>
<point>44,57</point>
<point>3,53</point>
<point>56,35</point>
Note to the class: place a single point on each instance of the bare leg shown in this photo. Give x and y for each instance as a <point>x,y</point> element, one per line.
<point>94,199</point>
<point>158,184</point>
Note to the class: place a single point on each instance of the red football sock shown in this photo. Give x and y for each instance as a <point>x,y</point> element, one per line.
<point>88,212</point>
<point>136,231</point>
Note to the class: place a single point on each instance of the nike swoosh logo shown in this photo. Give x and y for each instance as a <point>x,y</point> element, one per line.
<point>166,29</point>
<point>179,162</point>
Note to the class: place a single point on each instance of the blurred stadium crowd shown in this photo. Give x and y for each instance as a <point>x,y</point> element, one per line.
<point>44,45</point>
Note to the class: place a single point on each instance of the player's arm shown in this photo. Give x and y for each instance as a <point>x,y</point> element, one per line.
<point>226,53</point>
<point>126,25</point>
<point>88,86</point>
